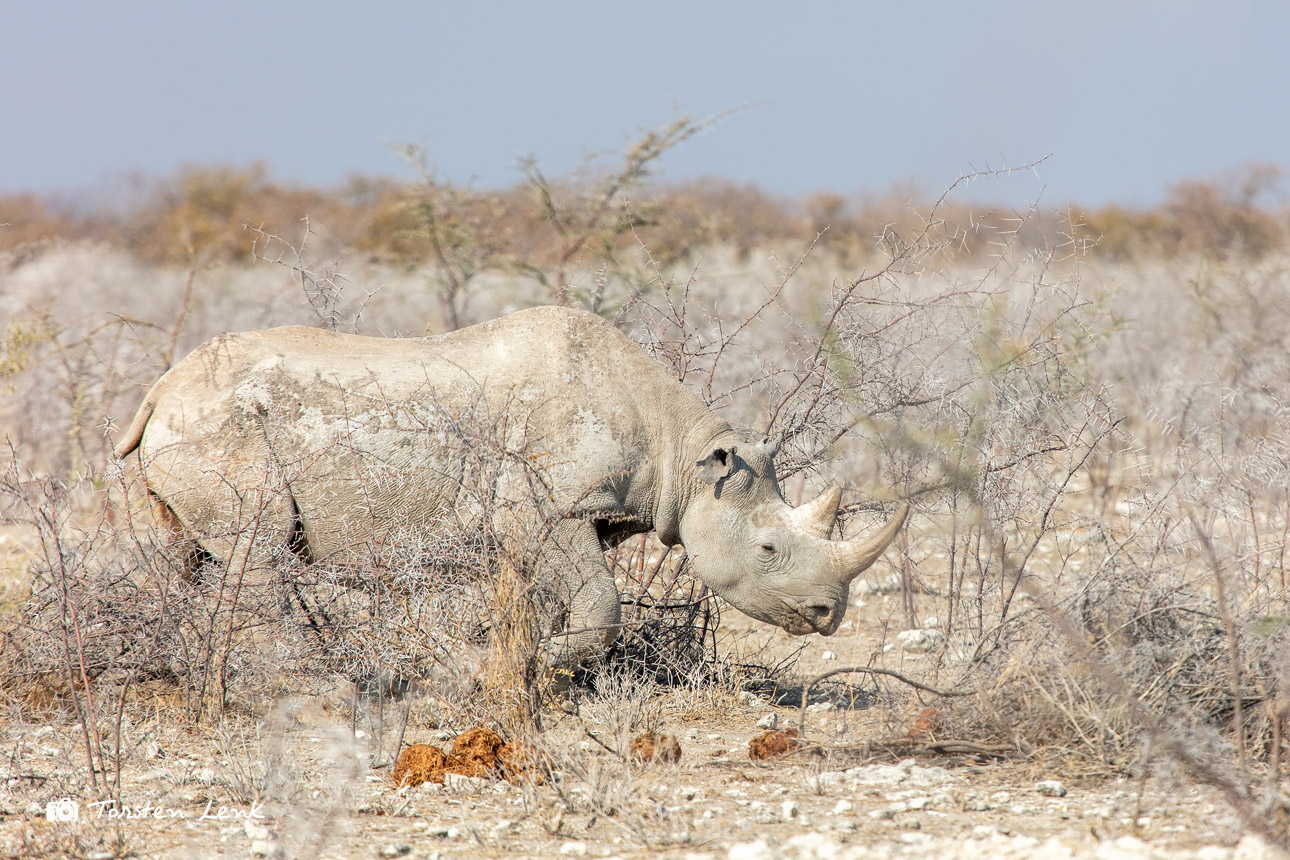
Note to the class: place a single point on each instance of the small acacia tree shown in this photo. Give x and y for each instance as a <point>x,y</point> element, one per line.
<point>466,233</point>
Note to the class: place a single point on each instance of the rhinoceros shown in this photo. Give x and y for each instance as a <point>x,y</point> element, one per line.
<point>302,440</point>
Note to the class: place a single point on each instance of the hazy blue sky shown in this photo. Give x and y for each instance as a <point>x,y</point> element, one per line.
<point>1127,96</point>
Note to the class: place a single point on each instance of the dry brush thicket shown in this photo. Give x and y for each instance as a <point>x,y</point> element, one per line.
<point>1096,452</point>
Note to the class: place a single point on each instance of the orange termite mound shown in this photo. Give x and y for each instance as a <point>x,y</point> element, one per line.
<point>772,744</point>
<point>478,752</point>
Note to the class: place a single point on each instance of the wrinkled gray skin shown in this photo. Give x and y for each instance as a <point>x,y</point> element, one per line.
<point>336,441</point>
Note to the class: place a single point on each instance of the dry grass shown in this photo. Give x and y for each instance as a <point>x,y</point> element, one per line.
<point>1096,452</point>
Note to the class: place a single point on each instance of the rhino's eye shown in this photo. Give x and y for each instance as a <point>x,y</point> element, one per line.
<point>767,549</point>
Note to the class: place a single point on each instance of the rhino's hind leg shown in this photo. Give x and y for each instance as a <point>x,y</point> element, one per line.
<point>574,561</point>
<point>183,550</point>
<point>248,532</point>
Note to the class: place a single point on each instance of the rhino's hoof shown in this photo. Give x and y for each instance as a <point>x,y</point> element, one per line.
<point>558,682</point>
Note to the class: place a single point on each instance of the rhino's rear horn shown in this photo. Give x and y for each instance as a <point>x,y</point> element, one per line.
<point>817,517</point>
<point>853,557</point>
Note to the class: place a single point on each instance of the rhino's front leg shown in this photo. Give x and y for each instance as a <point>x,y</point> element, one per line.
<point>574,561</point>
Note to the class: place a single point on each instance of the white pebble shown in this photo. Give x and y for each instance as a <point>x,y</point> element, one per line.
<point>758,850</point>
<point>920,641</point>
<point>1050,788</point>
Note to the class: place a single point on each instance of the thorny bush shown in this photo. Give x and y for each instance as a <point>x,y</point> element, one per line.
<point>1096,454</point>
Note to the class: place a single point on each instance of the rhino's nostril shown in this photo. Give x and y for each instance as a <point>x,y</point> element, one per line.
<point>819,612</point>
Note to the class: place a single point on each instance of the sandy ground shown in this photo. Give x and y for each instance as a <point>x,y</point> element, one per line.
<point>714,803</point>
<point>187,797</point>
<point>193,793</point>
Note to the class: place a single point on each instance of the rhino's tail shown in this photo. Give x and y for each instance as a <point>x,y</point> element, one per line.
<point>134,434</point>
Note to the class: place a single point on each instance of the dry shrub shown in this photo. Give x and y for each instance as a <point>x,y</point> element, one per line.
<point>601,215</point>
<point>1096,456</point>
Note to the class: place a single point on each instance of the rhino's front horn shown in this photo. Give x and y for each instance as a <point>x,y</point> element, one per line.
<point>853,557</point>
<point>816,517</point>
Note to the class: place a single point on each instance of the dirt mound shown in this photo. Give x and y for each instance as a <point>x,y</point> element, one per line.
<point>476,752</point>
<point>772,744</point>
<point>420,763</point>
<point>652,747</point>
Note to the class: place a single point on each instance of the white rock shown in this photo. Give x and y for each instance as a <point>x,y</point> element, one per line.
<point>1254,847</point>
<point>458,784</point>
<point>573,849</point>
<point>1050,788</point>
<point>1213,852</point>
<point>820,708</point>
<point>828,655</point>
<point>830,779</point>
<point>758,850</point>
<point>689,792</point>
<point>790,810</point>
<point>262,848</point>
<point>1053,849</point>
<point>843,807</point>
<point>754,701</point>
<point>812,845</point>
<point>920,641</point>
<point>906,774</point>
<point>256,831</point>
<point>1124,848</point>
<point>770,721</point>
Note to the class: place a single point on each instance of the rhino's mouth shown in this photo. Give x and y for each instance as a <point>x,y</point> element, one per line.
<point>805,620</point>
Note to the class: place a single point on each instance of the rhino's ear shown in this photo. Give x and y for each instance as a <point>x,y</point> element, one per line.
<point>717,465</point>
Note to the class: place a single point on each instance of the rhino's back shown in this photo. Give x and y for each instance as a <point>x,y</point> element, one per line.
<point>554,358</point>
<point>356,424</point>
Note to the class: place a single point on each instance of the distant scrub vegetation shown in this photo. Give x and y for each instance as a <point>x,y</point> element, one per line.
<point>202,214</point>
